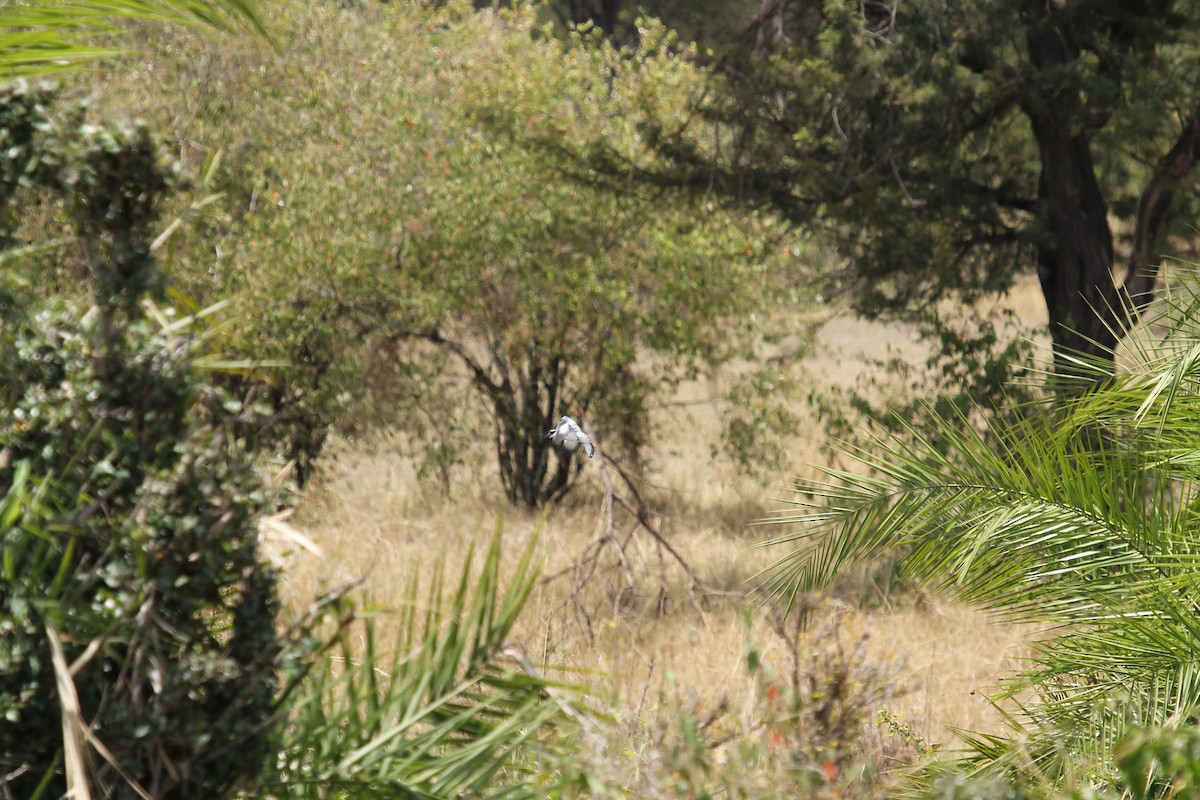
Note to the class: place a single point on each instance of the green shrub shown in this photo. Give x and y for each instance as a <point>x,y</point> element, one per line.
<point>397,238</point>
<point>129,525</point>
<point>128,514</point>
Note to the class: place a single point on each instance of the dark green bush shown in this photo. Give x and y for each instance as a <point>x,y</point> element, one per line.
<point>128,510</point>
<point>129,522</point>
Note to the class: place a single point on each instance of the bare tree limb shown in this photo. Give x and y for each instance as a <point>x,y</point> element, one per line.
<point>1154,213</point>
<point>624,495</point>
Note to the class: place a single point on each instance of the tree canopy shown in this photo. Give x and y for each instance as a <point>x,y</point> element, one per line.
<point>944,148</point>
<point>416,267</point>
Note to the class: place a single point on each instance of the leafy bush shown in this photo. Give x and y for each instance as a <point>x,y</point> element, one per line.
<point>979,371</point>
<point>128,512</point>
<point>420,268</point>
<point>129,528</point>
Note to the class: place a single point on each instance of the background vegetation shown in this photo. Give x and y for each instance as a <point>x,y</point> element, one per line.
<point>412,235</point>
<point>948,150</point>
<point>418,268</point>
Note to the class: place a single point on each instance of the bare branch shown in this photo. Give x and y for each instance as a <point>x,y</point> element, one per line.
<point>629,499</point>
<point>1154,216</point>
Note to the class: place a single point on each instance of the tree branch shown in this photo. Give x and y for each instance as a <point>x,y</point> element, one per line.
<point>636,507</point>
<point>1154,215</point>
<point>478,373</point>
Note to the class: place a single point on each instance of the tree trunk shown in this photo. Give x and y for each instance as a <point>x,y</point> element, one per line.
<point>1075,255</point>
<point>1154,212</point>
<point>525,413</point>
<point>1075,264</point>
<point>524,454</point>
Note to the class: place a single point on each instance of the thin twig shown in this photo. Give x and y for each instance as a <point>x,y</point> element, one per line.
<point>629,499</point>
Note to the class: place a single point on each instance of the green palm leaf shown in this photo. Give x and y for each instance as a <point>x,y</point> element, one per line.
<point>39,37</point>
<point>1084,515</point>
<point>443,715</point>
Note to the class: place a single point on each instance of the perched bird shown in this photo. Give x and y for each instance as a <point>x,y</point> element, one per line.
<point>568,435</point>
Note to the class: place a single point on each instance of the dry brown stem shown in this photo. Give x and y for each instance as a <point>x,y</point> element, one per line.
<point>591,563</point>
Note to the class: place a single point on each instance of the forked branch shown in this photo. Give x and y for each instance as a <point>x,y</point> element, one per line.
<point>624,495</point>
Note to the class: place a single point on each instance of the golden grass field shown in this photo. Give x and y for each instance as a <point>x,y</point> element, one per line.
<point>370,516</point>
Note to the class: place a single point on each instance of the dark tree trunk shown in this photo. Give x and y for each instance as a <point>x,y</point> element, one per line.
<point>1075,263</point>
<point>1075,253</point>
<point>524,454</point>
<point>525,412</point>
<point>1154,211</point>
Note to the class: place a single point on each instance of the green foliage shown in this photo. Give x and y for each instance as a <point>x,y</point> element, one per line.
<point>133,601</point>
<point>127,510</point>
<point>759,420</point>
<point>23,122</point>
<point>128,513</point>
<point>451,710</point>
<point>129,522</point>
<point>708,23</point>
<point>422,269</point>
<point>108,183</point>
<point>1161,761</point>
<point>943,149</point>
<point>41,37</point>
<point>978,372</point>
<point>1083,516</point>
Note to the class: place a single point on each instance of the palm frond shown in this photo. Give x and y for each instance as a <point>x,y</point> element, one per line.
<point>1085,515</point>
<point>442,715</point>
<point>1036,523</point>
<point>40,37</point>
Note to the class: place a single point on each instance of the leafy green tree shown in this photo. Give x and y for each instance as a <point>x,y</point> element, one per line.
<point>944,148</point>
<point>418,269</point>
<point>1083,516</point>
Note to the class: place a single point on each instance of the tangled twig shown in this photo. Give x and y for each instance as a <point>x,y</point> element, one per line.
<point>629,499</point>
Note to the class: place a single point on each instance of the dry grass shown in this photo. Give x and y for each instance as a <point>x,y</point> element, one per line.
<point>371,516</point>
